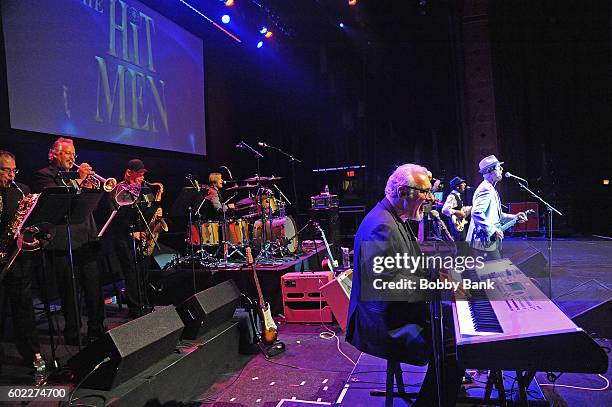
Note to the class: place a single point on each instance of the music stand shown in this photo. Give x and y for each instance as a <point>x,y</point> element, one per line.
<point>187,205</point>
<point>134,217</point>
<point>63,206</point>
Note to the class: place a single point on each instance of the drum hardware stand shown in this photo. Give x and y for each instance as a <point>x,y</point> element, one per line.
<point>204,255</point>
<point>292,160</point>
<point>268,246</point>
<point>226,244</point>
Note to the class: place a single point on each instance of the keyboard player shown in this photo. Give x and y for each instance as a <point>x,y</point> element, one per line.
<point>396,327</point>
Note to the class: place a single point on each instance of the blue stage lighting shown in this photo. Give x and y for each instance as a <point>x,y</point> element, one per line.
<point>263,30</point>
<point>225,19</point>
<point>260,44</point>
<point>341,25</point>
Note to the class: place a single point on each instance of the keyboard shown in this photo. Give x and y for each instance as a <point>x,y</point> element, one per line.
<point>514,326</point>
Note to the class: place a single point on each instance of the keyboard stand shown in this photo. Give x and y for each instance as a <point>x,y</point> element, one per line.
<point>496,378</point>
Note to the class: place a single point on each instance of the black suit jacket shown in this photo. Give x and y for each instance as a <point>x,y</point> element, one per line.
<point>392,327</point>
<point>10,198</point>
<point>81,233</point>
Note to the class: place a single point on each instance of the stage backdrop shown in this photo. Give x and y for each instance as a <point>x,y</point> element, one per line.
<point>107,70</point>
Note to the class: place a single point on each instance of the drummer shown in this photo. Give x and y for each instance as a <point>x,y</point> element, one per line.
<point>215,183</point>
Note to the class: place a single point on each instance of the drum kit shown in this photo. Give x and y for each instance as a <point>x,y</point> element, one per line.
<point>257,220</point>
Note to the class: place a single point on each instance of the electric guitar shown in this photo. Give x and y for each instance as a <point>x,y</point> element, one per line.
<point>488,241</point>
<point>460,223</point>
<point>269,331</point>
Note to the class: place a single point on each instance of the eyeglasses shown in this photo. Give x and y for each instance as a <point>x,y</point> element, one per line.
<point>9,170</point>
<point>69,154</point>
<point>425,191</point>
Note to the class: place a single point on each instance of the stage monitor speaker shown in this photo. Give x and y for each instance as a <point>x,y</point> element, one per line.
<point>529,260</point>
<point>338,294</point>
<point>589,305</point>
<point>208,309</point>
<point>130,348</point>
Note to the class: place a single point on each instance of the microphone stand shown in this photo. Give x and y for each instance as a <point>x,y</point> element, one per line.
<point>292,160</point>
<point>550,209</point>
<point>258,156</point>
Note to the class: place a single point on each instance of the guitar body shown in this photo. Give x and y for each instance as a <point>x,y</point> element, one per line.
<point>460,223</point>
<point>269,333</point>
<point>269,330</point>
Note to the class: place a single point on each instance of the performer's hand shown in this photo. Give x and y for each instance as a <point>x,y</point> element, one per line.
<point>159,213</point>
<point>498,234</point>
<point>459,214</point>
<point>84,171</point>
<point>461,292</point>
<point>522,218</point>
<point>231,206</point>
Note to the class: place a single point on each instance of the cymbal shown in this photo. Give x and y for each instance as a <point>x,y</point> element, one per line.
<point>262,179</point>
<point>236,187</point>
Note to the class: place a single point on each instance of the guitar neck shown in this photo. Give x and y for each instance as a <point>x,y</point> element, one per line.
<point>259,293</point>
<point>508,225</point>
<point>513,222</point>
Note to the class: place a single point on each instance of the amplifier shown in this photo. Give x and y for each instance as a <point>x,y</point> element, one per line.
<point>324,201</point>
<point>302,298</point>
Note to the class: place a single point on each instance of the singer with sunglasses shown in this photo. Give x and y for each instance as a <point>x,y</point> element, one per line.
<point>85,246</point>
<point>487,212</point>
<point>17,283</point>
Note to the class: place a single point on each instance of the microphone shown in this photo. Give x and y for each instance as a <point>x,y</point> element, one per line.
<point>262,144</point>
<point>508,175</point>
<point>436,217</point>
<point>240,145</point>
<point>467,187</point>
<point>19,189</point>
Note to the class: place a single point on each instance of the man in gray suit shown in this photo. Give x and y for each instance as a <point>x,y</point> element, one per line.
<point>393,324</point>
<point>487,213</point>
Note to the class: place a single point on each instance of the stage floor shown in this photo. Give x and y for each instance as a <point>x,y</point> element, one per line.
<point>313,369</point>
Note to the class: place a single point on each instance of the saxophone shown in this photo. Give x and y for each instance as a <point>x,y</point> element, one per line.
<point>156,225</point>
<point>25,204</point>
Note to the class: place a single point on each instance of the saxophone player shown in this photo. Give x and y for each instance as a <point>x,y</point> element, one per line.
<point>126,239</point>
<point>18,281</point>
<point>62,157</point>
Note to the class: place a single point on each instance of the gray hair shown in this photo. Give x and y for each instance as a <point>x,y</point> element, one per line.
<point>403,176</point>
<point>56,147</point>
<point>4,153</point>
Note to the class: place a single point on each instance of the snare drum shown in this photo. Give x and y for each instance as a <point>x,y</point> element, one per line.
<point>282,229</point>
<point>238,232</point>
<point>207,235</point>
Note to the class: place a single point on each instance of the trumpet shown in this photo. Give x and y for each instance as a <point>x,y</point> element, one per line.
<point>107,184</point>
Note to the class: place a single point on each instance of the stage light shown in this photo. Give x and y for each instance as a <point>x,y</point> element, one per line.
<point>263,30</point>
<point>268,34</point>
<point>229,3</point>
<point>225,19</point>
<point>352,2</point>
<point>606,182</point>
<point>341,25</point>
<point>260,44</point>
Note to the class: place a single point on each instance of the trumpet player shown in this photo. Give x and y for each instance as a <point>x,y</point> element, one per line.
<point>62,157</point>
<point>18,282</point>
